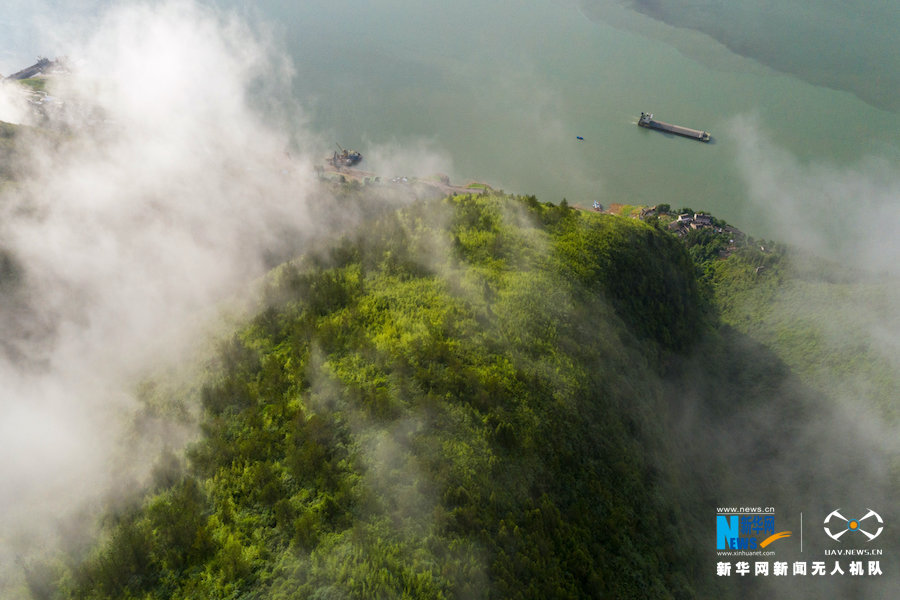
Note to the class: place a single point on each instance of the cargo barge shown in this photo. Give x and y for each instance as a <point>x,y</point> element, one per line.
<point>648,121</point>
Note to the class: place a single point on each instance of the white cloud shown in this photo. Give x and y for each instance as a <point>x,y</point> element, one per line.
<point>159,194</point>
<point>847,213</point>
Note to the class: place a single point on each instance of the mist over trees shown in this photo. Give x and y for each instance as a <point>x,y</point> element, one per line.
<point>481,396</point>
<point>463,400</point>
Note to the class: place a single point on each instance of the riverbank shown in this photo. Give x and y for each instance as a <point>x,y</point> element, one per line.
<point>438,185</point>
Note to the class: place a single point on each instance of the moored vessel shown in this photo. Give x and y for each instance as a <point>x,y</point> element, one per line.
<point>648,121</point>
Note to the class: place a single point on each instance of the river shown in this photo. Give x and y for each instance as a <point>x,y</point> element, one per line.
<point>500,91</point>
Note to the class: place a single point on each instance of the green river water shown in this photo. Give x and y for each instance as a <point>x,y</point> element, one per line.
<point>498,91</point>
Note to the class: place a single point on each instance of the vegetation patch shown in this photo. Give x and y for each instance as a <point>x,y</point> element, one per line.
<point>475,397</point>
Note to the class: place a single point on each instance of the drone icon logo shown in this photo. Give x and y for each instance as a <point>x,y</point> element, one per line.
<point>843,525</point>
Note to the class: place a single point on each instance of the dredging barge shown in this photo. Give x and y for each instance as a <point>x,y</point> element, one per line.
<point>648,121</point>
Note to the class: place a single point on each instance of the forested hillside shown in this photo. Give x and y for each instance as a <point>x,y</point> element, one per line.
<point>477,397</point>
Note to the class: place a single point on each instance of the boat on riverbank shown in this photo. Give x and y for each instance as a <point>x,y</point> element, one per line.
<point>345,158</point>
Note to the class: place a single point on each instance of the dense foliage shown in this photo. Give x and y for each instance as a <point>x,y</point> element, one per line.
<point>448,406</point>
<point>477,397</point>
<point>8,134</point>
<point>817,316</point>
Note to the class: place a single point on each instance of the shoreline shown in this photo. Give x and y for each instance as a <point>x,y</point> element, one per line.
<point>438,184</point>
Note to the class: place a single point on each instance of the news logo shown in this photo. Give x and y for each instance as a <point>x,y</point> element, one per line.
<point>836,525</point>
<point>747,530</point>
